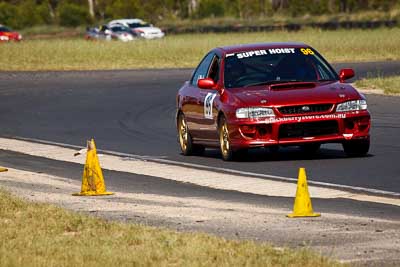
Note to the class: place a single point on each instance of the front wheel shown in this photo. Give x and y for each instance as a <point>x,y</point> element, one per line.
<point>356,148</point>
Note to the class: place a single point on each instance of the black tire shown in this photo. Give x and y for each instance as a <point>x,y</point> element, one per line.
<point>310,149</point>
<point>241,154</point>
<point>224,142</point>
<point>184,137</point>
<point>274,149</point>
<point>356,148</point>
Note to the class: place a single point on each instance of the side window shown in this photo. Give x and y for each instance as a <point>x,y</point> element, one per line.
<point>213,72</point>
<point>202,69</point>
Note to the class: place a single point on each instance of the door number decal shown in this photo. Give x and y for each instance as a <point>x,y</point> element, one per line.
<point>208,105</point>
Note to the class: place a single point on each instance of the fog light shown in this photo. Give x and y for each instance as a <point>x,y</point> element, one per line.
<point>248,129</point>
<point>363,122</point>
<point>264,130</point>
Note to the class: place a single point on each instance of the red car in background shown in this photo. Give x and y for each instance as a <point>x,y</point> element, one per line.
<point>270,95</point>
<point>6,34</point>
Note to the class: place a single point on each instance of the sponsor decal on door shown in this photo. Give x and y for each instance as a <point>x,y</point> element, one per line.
<point>208,105</point>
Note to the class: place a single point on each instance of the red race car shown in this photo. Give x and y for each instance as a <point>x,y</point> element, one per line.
<point>270,95</point>
<point>8,35</point>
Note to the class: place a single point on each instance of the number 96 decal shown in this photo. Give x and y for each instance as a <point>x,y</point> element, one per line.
<point>307,51</point>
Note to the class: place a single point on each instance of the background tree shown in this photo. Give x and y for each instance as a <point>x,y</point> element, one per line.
<point>192,7</point>
<point>25,13</point>
<point>91,8</point>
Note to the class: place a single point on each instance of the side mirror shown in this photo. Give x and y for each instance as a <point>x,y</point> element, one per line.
<point>346,74</point>
<point>206,83</point>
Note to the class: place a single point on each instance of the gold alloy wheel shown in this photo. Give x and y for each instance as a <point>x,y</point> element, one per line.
<point>224,140</point>
<point>183,134</point>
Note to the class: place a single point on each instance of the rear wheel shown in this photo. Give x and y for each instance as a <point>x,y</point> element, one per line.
<point>185,140</point>
<point>356,147</point>
<point>225,145</point>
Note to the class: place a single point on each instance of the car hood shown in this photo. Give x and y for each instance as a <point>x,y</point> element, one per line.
<point>303,93</point>
<point>148,29</point>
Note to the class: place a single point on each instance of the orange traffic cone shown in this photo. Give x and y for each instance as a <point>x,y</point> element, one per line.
<point>302,203</point>
<point>92,178</point>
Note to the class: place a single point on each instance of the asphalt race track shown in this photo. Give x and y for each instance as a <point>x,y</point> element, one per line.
<point>133,112</point>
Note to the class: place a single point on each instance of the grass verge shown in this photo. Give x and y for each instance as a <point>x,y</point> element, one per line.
<point>44,235</point>
<point>390,85</point>
<point>187,50</point>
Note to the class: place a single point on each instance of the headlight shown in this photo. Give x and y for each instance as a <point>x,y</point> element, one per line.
<point>243,113</point>
<point>352,105</point>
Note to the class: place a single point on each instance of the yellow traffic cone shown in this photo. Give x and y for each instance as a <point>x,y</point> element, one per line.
<point>3,169</point>
<point>92,179</point>
<point>302,203</point>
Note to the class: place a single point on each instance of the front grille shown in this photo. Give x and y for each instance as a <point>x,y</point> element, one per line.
<point>308,129</point>
<point>304,109</point>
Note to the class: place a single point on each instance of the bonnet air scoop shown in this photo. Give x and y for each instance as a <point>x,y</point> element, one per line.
<point>292,85</point>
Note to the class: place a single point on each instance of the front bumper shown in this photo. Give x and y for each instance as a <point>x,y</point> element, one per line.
<point>153,35</point>
<point>297,130</point>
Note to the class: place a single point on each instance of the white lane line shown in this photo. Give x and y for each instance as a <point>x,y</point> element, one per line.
<point>282,178</point>
<point>206,178</point>
<point>357,189</point>
<point>187,172</point>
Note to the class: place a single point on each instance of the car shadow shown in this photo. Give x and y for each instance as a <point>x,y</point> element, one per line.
<point>284,154</point>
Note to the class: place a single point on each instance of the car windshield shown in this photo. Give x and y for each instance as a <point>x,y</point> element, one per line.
<point>4,29</point>
<point>138,25</point>
<point>276,65</point>
<point>120,29</point>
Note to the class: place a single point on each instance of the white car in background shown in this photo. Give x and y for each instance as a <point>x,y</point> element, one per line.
<point>140,28</point>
